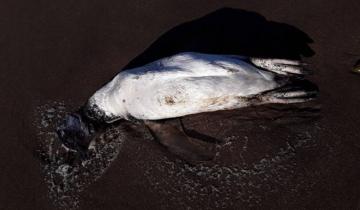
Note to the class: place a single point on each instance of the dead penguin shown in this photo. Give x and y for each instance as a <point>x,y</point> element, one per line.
<point>184,84</point>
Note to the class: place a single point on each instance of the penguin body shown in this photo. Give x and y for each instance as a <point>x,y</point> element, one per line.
<point>186,83</point>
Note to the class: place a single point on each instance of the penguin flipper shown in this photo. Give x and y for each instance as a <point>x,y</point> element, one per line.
<point>295,91</point>
<point>284,67</point>
<point>177,142</point>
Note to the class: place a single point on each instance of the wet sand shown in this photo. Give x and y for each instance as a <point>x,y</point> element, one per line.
<point>268,159</point>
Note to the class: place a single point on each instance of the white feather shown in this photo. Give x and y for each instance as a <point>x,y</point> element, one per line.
<point>183,84</point>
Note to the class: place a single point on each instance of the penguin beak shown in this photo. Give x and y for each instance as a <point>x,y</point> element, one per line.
<point>74,134</point>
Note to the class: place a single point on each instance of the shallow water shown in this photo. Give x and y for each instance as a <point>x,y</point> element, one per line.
<point>65,173</point>
<point>227,183</point>
<point>222,183</point>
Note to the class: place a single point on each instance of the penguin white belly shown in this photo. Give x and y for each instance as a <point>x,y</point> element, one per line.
<point>190,95</point>
<point>184,84</point>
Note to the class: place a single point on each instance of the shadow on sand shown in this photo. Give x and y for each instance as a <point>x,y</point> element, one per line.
<point>229,31</point>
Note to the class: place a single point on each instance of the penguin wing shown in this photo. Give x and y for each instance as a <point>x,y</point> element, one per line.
<point>198,64</point>
<point>190,64</point>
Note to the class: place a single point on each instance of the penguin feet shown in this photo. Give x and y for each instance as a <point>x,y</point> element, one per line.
<point>177,142</point>
<point>295,91</point>
<point>282,66</point>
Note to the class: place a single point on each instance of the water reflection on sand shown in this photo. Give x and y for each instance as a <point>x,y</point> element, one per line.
<point>253,163</point>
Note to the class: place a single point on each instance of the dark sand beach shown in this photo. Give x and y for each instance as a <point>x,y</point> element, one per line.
<point>55,54</point>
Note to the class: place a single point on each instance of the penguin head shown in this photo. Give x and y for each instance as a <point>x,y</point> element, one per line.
<point>74,132</point>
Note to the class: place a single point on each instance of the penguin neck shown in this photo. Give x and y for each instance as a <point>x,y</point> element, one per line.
<point>107,104</point>
<point>99,114</point>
